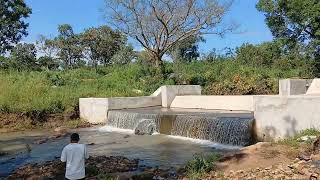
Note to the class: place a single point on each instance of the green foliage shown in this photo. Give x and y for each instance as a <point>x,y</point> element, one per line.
<point>295,22</point>
<point>201,164</point>
<point>102,44</point>
<point>294,141</point>
<point>23,57</point>
<point>231,77</point>
<point>187,50</point>
<point>13,27</point>
<point>69,47</point>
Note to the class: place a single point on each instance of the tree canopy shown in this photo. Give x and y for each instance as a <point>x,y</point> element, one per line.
<point>159,24</point>
<point>12,24</point>
<point>294,21</point>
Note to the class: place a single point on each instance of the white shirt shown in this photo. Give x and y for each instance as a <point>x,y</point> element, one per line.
<point>75,154</point>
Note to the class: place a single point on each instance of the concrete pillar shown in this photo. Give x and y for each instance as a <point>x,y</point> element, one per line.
<point>289,87</point>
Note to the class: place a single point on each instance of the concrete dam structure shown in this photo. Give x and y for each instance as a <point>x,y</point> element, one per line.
<point>181,110</point>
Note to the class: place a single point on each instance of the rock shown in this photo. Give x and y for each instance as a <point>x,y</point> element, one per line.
<point>41,141</point>
<point>91,144</point>
<point>307,138</point>
<point>316,144</point>
<point>126,136</point>
<point>60,130</point>
<point>304,157</point>
<point>145,126</point>
<point>315,157</point>
<point>313,176</point>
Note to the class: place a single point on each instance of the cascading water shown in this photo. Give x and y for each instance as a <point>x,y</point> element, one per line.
<point>134,121</point>
<point>225,128</point>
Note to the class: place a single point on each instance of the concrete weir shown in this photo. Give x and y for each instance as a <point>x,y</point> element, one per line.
<point>182,111</point>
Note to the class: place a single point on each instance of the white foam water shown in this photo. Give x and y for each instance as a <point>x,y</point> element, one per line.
<point>114,129</point>
<point>206,143</point>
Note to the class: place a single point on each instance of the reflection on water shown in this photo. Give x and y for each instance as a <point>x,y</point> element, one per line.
<point>155,150</point>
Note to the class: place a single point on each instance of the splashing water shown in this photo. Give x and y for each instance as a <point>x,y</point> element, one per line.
<point>235,129</point>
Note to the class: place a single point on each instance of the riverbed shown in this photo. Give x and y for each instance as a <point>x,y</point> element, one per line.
<point>155,150</point>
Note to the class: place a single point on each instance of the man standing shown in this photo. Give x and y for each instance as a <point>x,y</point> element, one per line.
<point>74,154</point>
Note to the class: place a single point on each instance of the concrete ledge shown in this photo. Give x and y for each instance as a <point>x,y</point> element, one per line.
<point>214,102</point>
<point>168,93</point>
<point>279,117</point>
<point>133,102</point>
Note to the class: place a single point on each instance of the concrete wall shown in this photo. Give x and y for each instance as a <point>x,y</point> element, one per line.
<point>94,110</point>
<point>168,93</point>
<point>289,87</point>
<point>133,102</point>
<point>214,102</point>
<point>314,88</point>
<point>279,117</point>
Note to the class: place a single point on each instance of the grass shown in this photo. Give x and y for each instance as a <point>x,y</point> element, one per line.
<point>200,165</point>
<point>294,141</point>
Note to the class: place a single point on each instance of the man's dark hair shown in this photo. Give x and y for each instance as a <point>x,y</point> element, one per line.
<point>75,137</point>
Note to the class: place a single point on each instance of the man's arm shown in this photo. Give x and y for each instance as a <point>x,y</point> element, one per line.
<point>86,155</point>
<point>63,155</point>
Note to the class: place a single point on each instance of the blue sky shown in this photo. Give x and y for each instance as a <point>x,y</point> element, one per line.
<point>81,14</point>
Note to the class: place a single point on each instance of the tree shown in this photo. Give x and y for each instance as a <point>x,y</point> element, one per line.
<point>160,24</point>
<point>12,25</point>
<point>124,56</point>
<point>102,43</point>
<point>186,50</point>
<point>47,47</point>
<point>23,57</point>
<point>294,21</point>
<point>68,44</point>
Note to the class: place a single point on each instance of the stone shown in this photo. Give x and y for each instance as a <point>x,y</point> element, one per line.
<point>41,141</point>
<point>126,136</point>
<point>304,157</point>
<point>307,138</point>
<point>316,144</point>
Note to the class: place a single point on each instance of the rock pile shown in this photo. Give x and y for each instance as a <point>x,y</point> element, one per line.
<point>303,168</point>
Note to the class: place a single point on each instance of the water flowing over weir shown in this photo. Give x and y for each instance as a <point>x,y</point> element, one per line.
<point>225,127</point>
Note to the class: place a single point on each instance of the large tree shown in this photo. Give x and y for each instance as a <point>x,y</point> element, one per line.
<point>101,44</point>
<point>12,24</point>
<point>159,24</point>
<point>294,21</point>
<point>68,44</point>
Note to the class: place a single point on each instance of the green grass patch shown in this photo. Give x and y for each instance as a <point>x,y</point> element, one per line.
<point>201,164</point>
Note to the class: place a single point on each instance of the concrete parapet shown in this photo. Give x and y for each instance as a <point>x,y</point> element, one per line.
<point>214,102</point>
<point>289,87</point>
<point>169,93</point>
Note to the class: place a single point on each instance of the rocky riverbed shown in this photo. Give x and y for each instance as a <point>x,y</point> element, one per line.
<point>95,167</point>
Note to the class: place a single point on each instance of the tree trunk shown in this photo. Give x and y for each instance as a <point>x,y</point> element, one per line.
<point>159,64</point>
